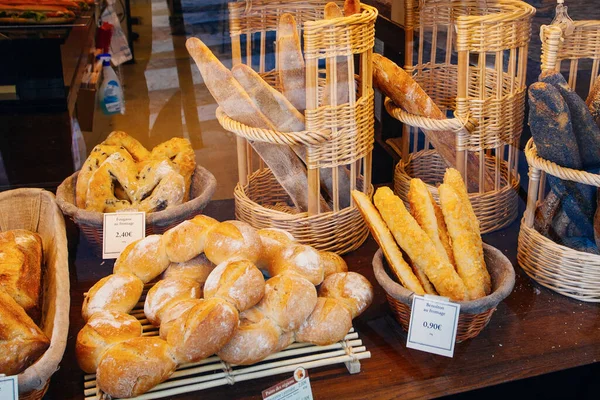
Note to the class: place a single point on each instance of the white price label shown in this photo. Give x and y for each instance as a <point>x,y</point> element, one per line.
<point>433,324</point>
<point>9,387</point>
<point>119,230</point>
<point>294,388</point>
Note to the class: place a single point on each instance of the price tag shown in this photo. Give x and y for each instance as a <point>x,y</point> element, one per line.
<point>9,388</point>
<point>294,388</point>
<point>119,230</point>
<point>433,324</point>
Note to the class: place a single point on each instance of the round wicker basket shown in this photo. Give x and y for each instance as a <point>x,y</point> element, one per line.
<point>495,210</point>
<point>474,315</point>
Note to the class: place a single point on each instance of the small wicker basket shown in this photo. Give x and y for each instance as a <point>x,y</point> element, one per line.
<point>36,210</point>
<point>488,99</point>
<point>474,315</point>
<point>203,186</point>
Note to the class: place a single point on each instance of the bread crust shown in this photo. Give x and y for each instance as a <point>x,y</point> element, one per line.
<point>145,258</point>
<point>351,289</point>
<point>300,259</point>
<point>197,269</point>
<point>238,282</point>
<point>329,323</point>
<point>232,239</point>
<point>332,263</point>
<point>117,292</point>
<point>165,294</point>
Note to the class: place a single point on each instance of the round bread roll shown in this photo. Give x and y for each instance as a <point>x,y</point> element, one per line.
<point>332,263</point>
<point>301,259</point>
<point>238,282</point>
<point>145,258</point>
<point>353,289</point>
<point>186,240</point>
<point>117,292</point>
<point>165,294</point>
<point>231,239</point>
<point>255,338</point>
<point>273,240</point>
<point>289,299</point>
<point>203,330</point>
<point>197,269</point>
<point>175,312</point>
<point>134,366</point>
<point>102,330</point>
<point>329,323</point>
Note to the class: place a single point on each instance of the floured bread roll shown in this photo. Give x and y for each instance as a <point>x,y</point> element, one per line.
<point>352,289</point>
<point>332,262</point>
<point>102,330</point>
<point>301,259</point>
<point>273,241</point>
<point>145,258</point>
<point>118,292</point>
<point>197,269</point>
<point>329,322</point>
<point>166,293</point>
<point>203,330</point>
<point>134,366</point>
<point>186,240</point>
<point>231,239</point>
<point>172,316</point>
<point>238,282</point>
<point>289,299</point>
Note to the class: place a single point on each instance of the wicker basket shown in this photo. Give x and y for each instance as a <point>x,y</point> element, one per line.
<point>36,210</point>
<point>335,135</point>
<point>474,315</point>
<point>488,99</point>
<point>569,272</point>
<point>90,222</point>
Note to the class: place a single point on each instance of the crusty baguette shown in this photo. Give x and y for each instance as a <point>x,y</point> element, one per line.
<point>396,84</point>
<point>342,88</point>
<point>289,171</point>
<point>415,242</point>
<point>466,242</point>
<point>427,213</point>
<point>290,62</point>
<point>351,7</point>
<point>452,177</point>
<point>386,242</point>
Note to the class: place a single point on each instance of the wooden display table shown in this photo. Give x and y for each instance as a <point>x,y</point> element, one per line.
<point>533,332</point>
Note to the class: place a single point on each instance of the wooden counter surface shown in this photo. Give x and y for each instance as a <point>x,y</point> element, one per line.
<point>533,332</point>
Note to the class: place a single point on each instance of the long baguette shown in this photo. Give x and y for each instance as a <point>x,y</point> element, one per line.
<point>386,242</point>
<point>395,83</point>
<point>341,91</point>
<point>415,242</point>
<point>290,62</point>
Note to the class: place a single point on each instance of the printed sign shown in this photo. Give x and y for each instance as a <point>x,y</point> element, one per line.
<point>119,230</point>
<point>9,387</point>
<point>295,388</point>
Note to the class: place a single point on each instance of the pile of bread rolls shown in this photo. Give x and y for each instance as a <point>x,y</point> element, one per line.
<point>442,242</point>
<point>212,298</point>
<point>121,174</point>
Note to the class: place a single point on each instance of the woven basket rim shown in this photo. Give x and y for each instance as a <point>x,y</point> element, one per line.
<point>503,288</point>
<point>95,218</point>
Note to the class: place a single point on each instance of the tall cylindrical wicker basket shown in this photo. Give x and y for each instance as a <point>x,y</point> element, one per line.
<point>336,135</point>
<point>569,272</point>
<point>487,98</point>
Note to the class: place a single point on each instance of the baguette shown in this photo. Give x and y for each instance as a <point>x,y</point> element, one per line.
<point>396,84</point>
<point>351,7</point>
<point>290,62</point>
<point>421,250</point>
<point>341,92</point>
<point>386,242</point>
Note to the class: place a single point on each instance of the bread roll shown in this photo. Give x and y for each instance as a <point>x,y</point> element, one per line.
<point>102,330</point>
<point>301,259</point>
<point>232,239</point>
<point>186,240</point>
<point>145,258</point>
<point>117,292</point>
<point>352,289</point>
<point>238,282</point>
<point>329,322</point>
<point>21,341</point>
<point>272,240</point>
<point>332,263</point>
<point>175,312</point>
<point>134,366</point>
<point>197,269</point>
<point>203,330</point>
<point>289,300</point>
<point>165,294</point>
<point>256,338</point>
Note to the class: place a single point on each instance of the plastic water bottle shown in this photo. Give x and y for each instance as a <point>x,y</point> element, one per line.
<point>111,94</point>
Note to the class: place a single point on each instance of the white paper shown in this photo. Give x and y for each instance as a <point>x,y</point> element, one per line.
<point>119,230</point>
<point>9,387</point>
<point>433,324</point>
<point>295,388</point>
